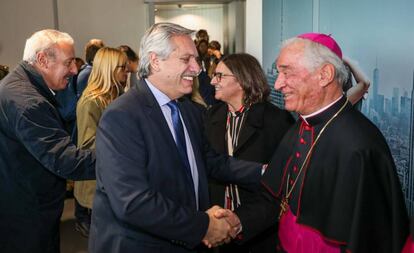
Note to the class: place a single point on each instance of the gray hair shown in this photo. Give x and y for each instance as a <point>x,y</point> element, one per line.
<point>157,39</point>
<point>43,41</point>
<point>315,55</point>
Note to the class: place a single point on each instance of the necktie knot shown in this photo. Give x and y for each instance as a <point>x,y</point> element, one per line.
<point>173,106</point>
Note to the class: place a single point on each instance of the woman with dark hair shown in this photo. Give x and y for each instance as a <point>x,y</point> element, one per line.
<point>247,127</point>
<point>201,34</point>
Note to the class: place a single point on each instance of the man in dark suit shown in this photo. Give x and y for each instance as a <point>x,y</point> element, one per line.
<point>153,160</point>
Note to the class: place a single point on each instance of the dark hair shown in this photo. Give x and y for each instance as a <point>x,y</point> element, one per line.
<point>214,44</point>
<point>201,34</point>
<point>202,41</point>
<point>4,70</point>
<point>248,72</point>
<point>80,60</point>
<point>132,56</point>
<point>91,48</point>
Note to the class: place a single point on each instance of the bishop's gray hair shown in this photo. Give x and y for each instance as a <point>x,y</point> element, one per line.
<point>43,41</point>
<point>157,39</point>
<point>315,55</point>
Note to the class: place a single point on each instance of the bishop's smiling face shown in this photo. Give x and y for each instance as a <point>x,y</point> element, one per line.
<point>299,85</point>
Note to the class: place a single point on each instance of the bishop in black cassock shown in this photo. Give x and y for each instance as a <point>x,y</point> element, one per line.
<point>332,182</point>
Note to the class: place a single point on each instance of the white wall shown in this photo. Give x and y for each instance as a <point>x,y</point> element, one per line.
<point>18,20</point>
<point>224,23</point>
<point>254,37</point>
<point>116,22</point>
<point>236,26</point>
<point>209,17</point>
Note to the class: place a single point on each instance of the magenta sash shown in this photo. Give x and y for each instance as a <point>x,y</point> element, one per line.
<point>296,238</point>
<point>409,246</point>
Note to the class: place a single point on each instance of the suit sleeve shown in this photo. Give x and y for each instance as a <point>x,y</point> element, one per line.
<point>122,174</point>
<point>227,169</point>
<point>39,129</point>
<point>257,214</point>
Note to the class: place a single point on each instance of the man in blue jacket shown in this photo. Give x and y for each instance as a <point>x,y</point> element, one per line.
<point>36,153</point>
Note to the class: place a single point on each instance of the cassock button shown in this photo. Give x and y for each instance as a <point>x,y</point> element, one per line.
<point>295,169</point>
<point>302,141</point>
<point>307,128</point>
<point>291,182</point>
<point>297,154</point>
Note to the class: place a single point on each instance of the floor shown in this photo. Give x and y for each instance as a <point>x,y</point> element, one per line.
<point>70,240</point>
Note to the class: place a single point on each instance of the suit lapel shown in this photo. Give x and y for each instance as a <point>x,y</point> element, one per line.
<point>154,113</point>
<point>194,131</point>
<point>191,126</point>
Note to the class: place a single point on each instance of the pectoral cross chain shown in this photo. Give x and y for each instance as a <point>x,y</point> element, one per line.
<point>283,206</point>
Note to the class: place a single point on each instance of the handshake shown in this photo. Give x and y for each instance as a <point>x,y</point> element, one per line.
<point>224,225</point>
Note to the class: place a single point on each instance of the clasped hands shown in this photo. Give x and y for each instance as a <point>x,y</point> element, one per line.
<point>224,225</point>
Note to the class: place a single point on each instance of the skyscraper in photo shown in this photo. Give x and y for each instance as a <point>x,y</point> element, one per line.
<point>395,101</point>
<point>375,80</point>
<point>409,194</point>
<point>276,97</point>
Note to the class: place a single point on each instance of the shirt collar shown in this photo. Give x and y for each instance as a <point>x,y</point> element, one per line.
<point>323,113</point>
<point>320,110</point>
<point>239,112</point>
<point>161,98</point>
<point>53,93</point>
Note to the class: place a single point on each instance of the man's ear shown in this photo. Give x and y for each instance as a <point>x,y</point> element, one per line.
<point>42,60</point>
<point>154,62</point>
<point>326,74</point>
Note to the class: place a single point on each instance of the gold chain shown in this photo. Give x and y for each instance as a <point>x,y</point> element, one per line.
<point>285,200</point>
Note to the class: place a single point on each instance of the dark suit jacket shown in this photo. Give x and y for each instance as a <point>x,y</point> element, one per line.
<point>260,135</point>
<point>144,199</point>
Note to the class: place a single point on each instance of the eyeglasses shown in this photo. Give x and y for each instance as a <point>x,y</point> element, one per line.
<point>219,75</point>
<point>122,67</point>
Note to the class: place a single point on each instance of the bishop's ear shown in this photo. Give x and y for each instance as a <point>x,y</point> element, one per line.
<point>326,74</point>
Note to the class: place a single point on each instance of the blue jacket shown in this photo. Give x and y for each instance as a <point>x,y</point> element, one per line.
<point>36,158</point>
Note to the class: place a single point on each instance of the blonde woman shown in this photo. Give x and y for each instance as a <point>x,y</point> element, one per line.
<point>105,84</point>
